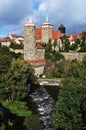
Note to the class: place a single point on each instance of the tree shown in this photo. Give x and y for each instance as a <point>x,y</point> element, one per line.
<point>55,44</point>
<point>60,69</point>
<point>83,42</point>
<point>66,43</point>
<point>70,111</point>
<point>17,81</point>
<point>33,123</point>
<point>48,50</point>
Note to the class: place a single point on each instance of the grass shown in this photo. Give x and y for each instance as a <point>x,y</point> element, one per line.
<point>18,108</point>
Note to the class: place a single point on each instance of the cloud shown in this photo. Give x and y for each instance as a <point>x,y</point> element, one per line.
<point>64,11</point>
<point>14,13</point>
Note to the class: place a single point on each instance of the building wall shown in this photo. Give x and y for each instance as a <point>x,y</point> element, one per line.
<point>40,53</point>
<point>73,55</point>
<point>29,43</point>
<point>46,34</point>
<point>39,70</point>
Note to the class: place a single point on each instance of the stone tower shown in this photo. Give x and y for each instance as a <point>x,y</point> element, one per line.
<point>29,41</point>
<point>46,31</point>
<point>33,53</point>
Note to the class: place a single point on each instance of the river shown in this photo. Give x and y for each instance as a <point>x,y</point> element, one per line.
<point>42,102</point>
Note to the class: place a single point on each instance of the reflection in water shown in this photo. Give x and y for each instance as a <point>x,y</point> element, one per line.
<point>45,104</point>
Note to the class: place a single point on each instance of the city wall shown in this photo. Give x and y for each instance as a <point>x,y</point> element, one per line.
<point>73,55</point>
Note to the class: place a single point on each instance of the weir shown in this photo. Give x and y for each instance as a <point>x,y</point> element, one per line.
<point>45,104</point>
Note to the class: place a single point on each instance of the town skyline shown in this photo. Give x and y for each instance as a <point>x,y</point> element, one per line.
<point>13,15</point>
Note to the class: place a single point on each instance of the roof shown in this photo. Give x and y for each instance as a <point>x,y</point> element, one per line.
<point>56,34</point>
<point>38,33</point>
<point>16,36</point>
<point>6,39</point>
<point>29,23</point>
<point>74,37</point>
<point>39,46</point>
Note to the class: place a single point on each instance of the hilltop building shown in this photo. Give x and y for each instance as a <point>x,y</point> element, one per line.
<point>33,53</point>
<point>46,32</point>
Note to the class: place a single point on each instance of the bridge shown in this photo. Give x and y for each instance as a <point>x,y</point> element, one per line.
<point>49,82</point>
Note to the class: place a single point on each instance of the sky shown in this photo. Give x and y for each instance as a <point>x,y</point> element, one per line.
<point>14,13</point>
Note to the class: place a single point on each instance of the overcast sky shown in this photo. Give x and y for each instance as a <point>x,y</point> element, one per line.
<point>14,13</point>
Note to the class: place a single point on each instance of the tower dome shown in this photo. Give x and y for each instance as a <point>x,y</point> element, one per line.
<point>29,23</point>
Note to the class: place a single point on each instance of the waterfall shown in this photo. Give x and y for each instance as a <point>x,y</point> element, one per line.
<point>45,105</point>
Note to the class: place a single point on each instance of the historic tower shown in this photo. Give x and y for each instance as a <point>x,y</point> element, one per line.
<point>29,41</point>
<point>33,53</point>
<point>46,31</point>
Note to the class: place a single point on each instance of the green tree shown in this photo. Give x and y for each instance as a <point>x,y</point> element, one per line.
<point>17,81</point>
<point>83,42</point>
<point>66,43</point>
<point>70,111</point>
<point>55,44</point>
<point>15,45</point>
<point>48,50</point>
<point>60,69</point>
<point>33,123</point>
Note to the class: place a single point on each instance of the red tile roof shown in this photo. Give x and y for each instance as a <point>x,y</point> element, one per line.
<point>6,39</point>
<point>56,34</point>
<point>74,37</point>
<point>38,34</point>
<point>16,36</point>
<point>39,46</point>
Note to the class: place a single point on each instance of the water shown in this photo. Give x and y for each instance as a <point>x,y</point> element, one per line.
<point>45,104</point>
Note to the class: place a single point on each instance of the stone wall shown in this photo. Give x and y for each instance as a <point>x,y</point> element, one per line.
<point>39,70</point>
<point>40,53</point>
<point>46,34</point>
<point>73,55</point>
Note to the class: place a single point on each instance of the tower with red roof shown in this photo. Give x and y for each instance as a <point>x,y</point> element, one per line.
<point>46,30</point>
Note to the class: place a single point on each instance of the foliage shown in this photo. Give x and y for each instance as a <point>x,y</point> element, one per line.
<point>74,46</point>
<point>83,42</point>
<point>4,50</point>
<point>50,54</point>
<point>17,107</point>
<point>33,123</point>
<point>15,45</point>
<point>60,70</point>
<point>2,127</point>
<point>17,82</point>
<point>48,50</point>
<point>70,111</point>
<point>55,44</point>
<point>66,43</point>
<point>5,62</point>
<point>56,56</point>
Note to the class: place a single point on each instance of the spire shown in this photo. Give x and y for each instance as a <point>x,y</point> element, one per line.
<point>47,20</point>
<point>30,21</point>
<point>47,23</point>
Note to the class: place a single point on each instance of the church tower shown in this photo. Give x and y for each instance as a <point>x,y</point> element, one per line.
<point>46,30</point>
<point>29,41</point>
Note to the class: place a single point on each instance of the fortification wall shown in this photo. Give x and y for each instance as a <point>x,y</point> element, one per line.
<point>73,55</point>
<point>39,70</point>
